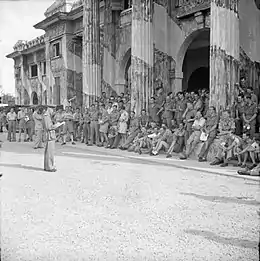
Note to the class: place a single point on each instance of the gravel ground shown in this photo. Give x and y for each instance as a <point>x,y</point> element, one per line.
<point>105,208</point>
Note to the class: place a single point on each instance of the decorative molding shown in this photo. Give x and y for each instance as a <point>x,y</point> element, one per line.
<point>163,3</point>
<point>56,30</point>
<point>142,10</point>
<point>192,6</point>
<point>232,4</point>
<point>163,69</point>
<point>22,45</point>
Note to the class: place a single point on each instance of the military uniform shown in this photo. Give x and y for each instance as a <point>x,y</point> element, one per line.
<point>239,108</point>
<point>153,110</point>
<point>211,121</point>
<point>94,126</point>
<point>86,127</point>
<point>180,109</point>
<point>249,111</point>
<point>168,113</point>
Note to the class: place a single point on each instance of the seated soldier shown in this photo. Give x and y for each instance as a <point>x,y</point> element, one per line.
<point>178,141</point>
<point>146,142</point>
<point>226,127</point>
<point>250,147</point>
<point>132,131</point>
<point>135,145</point>
<point>194,139</point>
<point>210,129</point>
<point>253,172</point>
<point>230,147</point>
<point>164,141</point>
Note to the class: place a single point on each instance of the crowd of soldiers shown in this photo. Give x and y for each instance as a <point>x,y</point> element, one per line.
<point>175,123</point>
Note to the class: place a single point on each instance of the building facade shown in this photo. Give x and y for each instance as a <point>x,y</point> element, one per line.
<point>135,46</point>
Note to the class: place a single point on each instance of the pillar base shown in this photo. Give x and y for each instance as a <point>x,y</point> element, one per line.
<point>178,82</point>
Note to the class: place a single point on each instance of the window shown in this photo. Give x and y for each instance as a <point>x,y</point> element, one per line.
<point>34,70</point>
<point>56,49</point>
<point>43,68</point>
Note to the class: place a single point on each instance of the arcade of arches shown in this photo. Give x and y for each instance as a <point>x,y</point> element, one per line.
<point>195,67</point>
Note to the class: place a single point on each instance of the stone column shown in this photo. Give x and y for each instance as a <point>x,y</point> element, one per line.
<point>91,52</point>
<point>109,57</point>
<point>142,54</point>
<point>224,53</point>
<point>48,71</point>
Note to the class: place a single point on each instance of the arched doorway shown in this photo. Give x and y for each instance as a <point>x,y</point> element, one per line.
<point>199,79</point>
<point>194,54</point>
<point>35,100</point>
<point>128,76</point>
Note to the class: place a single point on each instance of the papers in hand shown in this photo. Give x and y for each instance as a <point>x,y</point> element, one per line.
<point>57,125</point>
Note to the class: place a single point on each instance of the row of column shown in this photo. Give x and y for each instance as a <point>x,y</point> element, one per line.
<point>224,52</point>
<point>141,51</point>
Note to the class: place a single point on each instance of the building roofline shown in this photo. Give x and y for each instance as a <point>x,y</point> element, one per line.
<point>13,54</point>
<point>61,16</point>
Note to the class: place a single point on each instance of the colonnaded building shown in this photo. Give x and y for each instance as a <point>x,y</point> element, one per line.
<point>91,46</point>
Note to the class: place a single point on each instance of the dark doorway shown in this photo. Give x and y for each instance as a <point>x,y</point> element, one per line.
<point>199,79</point>
<point>35,98</point>
<point>128,76</point>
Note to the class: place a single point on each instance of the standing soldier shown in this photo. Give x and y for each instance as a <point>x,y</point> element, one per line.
<point>76,123</point>
<point>11,120</point>
<point>2,120</point>
<point>249,115</point>
<point>168,112</point>
<point>153,111</point>
<point>188,118</point>
<point>86,127</point>
<point>30,124</point>
<point>38,120</point>
<point>94,128</point>
<point>21,124</point>
<point>180,108</point>
<point>58,117</point>
<point>68,127</point>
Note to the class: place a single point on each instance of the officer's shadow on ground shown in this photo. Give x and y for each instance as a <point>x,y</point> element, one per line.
<point>21,166</point>
<point>223,240</point>
<point>222,199</point>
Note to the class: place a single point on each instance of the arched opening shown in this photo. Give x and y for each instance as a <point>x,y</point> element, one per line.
<point>123,75</point>
<point>199,79</point>
<point>128,76</point>
<point>194,54</point>
<point>35,100</point>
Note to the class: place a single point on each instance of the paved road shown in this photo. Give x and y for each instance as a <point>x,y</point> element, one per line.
<point>100,206</point>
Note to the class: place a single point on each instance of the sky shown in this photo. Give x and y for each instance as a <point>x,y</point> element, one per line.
<point>17,19</point>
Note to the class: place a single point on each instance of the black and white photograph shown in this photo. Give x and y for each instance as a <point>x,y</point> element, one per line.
<point>130,130</point>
